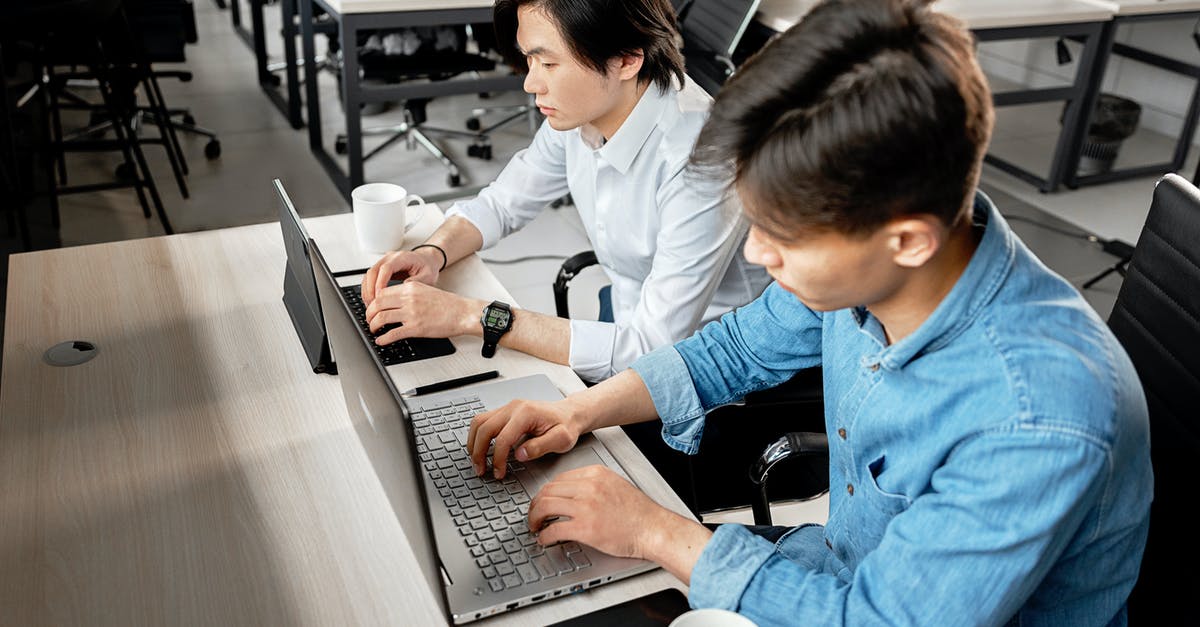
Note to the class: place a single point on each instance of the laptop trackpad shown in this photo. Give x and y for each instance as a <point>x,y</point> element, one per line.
<point>540,472</point>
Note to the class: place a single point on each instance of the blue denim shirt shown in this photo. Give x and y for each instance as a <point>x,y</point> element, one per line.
<point>992,466</point>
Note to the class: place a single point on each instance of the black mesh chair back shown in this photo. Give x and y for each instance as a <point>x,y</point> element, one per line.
<point>1157,320</point>
<point>32,18</point>
<point>716,25</point>
<point>711,31</point>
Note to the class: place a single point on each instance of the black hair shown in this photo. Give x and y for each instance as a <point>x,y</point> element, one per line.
<point>599,30</point>
<point>864,111</point>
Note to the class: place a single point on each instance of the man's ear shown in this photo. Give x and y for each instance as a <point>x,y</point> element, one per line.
<point>914,240</point>
<point>626,66</point>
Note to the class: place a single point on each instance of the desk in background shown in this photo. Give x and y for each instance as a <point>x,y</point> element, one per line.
<point>197,471</point>
<point>996,20</point>
<point>1133,12</point>
<point>353,16</point>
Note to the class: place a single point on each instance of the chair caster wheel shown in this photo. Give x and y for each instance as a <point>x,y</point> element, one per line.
<point>473,124</point>
<point>212,149</point>
<point>189,119</point>
<point>454,180</point>
<point>125,172</point>
<point>339,146</point>
<point>480,151</point>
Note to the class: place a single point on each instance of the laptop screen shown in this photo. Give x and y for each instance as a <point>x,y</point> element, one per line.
<point>382,423</point>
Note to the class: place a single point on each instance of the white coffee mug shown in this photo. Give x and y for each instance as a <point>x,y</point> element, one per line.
<point>380,215</point>
<point>711,617</point>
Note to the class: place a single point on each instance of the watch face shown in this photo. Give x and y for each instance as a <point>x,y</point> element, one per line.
<point>497,318</point>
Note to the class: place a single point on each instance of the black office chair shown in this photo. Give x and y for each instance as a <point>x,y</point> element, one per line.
<point>711,32</point>
<point>425,63</point>
<point>1157,319</point>
<point>11,195</point>
<point>87,33</point>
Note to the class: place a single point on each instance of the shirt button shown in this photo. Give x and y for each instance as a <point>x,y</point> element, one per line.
<point>850,488</point>
<point>874,367</point>
<point>842,433</point>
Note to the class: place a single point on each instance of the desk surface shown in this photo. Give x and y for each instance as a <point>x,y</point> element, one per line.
<point>197,471</point>
<point>1150,7</point>
<point>781,15</point>
<point>390,6</point>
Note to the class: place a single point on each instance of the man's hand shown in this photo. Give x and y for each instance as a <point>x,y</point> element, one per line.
<point>549,427</point>
<point>601,509</point>
<point>425,311</point>
<point>419,265</point>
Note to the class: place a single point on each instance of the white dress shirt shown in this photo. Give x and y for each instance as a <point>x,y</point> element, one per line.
<point>669,242</point>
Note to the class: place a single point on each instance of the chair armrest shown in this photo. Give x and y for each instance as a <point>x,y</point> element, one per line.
<point>797,444</point>
<point>571,267</point>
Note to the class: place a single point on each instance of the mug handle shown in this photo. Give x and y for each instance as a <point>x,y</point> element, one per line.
<point>408,203</point>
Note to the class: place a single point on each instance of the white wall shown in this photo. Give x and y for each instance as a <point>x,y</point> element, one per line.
<point>1164,95</point>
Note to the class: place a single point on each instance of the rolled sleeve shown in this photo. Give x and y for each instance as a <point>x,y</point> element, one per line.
<point>667,378</point>
<point>728,563</point>
<point>591,348</point>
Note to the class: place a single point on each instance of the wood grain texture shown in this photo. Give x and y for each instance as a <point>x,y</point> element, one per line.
<point>197,471</point>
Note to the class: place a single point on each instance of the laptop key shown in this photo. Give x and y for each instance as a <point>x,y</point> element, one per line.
<point>512,580</point>
<point>571,547</point>
<point>495,584</point>
<point>512,546</point>
<point>528,572</point>
<point>580,560</point>
<point>545,570</point>
<point>504,568</point>
<point>559,560</point>
<point>489,572</point>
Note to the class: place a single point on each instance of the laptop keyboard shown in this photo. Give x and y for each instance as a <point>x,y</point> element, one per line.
<point>395,353</point>
<point>490,515</point>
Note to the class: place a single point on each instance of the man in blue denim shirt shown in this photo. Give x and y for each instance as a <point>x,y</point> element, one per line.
<point>989,446</point>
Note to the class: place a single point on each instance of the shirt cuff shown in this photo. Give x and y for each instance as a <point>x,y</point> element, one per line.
<point>592,349</point>
<point>670,384</point>
<point>483,218</point>
<point>729,561</point>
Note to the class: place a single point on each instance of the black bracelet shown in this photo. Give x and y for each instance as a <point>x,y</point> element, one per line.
<point>439,249</point>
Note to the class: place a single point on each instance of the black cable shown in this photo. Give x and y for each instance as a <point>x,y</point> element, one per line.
<point>1061,231</point>
<point>523,259</point>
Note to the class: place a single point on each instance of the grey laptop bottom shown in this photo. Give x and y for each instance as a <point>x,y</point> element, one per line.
<point>470,537</point>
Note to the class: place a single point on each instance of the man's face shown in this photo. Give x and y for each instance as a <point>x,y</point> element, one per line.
<point>827,270</point>
<point>567,92</point>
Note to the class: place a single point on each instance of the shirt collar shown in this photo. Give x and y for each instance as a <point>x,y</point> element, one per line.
<point>985,273</point>
<point>622,148</point>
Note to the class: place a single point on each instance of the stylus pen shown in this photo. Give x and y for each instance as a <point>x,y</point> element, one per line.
<point>452,383</point>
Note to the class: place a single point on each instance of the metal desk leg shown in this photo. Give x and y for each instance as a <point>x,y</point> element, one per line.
<point>258,38</point>
<point>352,100</point>
<point>308,48</point>
<point>235,15</point>
<point>1103,50</point>
<point>292,74</point>
<point>1070,140</point>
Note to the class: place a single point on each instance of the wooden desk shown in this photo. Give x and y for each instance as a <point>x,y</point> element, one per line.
<point>353,16</point>
<point>197,471</point>
<point>995,20</point>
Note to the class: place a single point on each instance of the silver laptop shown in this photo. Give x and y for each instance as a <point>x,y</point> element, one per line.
<point>471,536</point>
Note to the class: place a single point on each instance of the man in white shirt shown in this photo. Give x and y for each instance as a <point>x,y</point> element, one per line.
<point>621,119</point>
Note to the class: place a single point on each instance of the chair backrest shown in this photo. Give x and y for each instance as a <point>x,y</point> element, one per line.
<point>716,26</point>
<point>1157,320</point>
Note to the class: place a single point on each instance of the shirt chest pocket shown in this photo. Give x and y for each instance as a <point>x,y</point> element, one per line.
<point>875,506</point>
